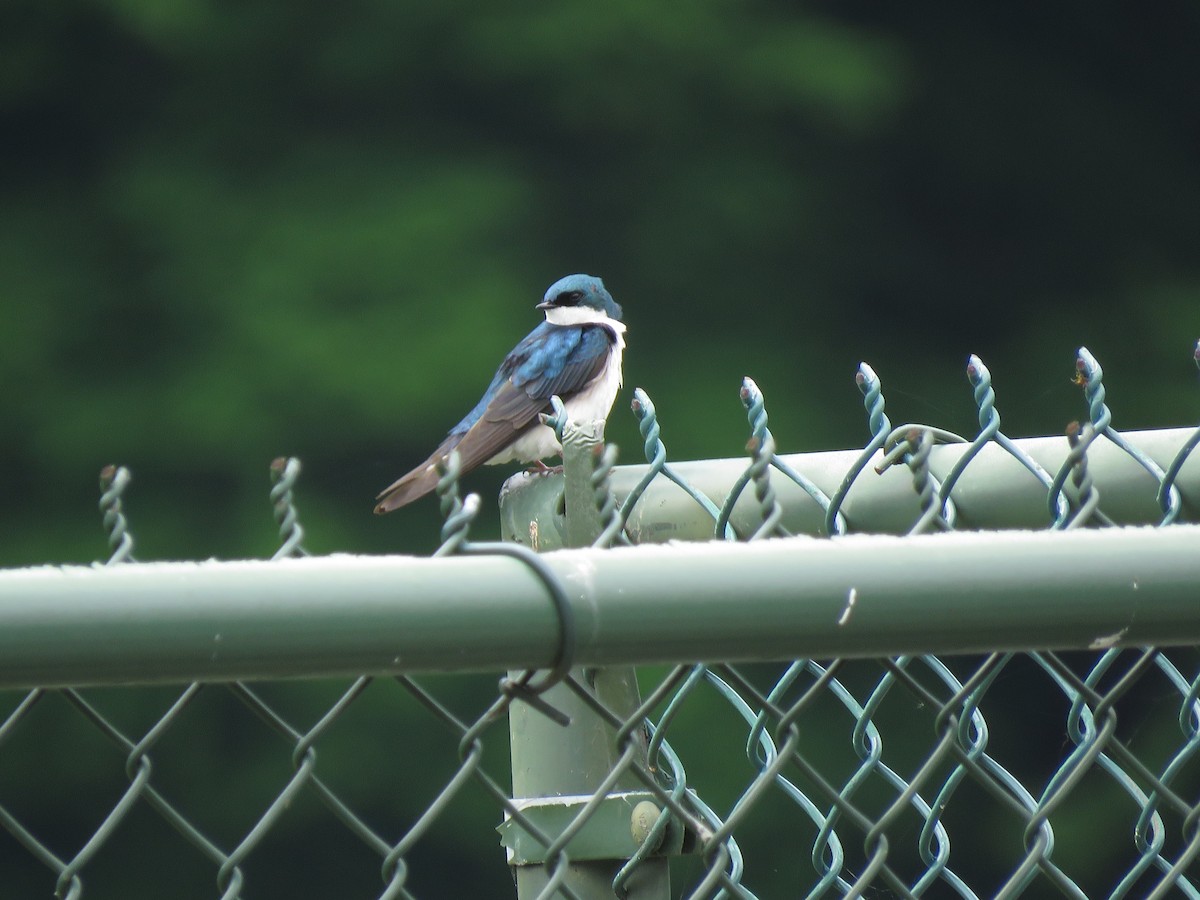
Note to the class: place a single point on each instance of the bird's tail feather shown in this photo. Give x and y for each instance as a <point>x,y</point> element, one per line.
<point>417,483</point>
<point>413,486</point>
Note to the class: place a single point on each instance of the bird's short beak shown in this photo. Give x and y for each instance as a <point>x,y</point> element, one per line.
<point>545,304</point>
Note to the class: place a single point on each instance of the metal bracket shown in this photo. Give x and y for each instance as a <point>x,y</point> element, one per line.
<point>614,830</point>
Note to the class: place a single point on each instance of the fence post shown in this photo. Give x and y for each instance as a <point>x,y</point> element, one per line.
<point>552,764</point>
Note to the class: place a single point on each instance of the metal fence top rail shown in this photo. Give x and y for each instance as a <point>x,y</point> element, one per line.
<point>995,491</point>
<point>859,595</point>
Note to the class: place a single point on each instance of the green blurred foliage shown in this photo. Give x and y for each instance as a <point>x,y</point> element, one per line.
<point>230,232</point>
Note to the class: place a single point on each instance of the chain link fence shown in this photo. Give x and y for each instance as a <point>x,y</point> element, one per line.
<point>1063,767</point>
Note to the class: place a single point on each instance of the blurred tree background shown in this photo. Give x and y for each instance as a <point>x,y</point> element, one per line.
<point>230,232</point>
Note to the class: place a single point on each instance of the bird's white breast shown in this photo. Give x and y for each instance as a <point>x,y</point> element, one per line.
<point>595,401</point>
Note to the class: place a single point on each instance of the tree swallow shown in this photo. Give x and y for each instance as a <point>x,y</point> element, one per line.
<point>575,354</point>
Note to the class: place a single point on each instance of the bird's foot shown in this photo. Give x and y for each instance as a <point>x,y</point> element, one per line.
<point>540,468</point>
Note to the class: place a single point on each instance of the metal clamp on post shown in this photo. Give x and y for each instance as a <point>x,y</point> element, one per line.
<point>615,828</point>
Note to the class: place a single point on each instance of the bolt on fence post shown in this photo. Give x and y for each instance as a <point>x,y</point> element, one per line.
<point>556,763</point>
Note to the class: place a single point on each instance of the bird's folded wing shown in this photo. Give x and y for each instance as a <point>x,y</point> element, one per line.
<point>527,392</point>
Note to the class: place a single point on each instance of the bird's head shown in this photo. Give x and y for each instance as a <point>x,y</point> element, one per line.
<point>579,298</point>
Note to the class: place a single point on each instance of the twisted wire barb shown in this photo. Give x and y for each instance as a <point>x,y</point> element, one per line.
<point>756,415</point>
<point>1087,497</point>
<point>1090,375</point>
<point>921,442</point>
<point>762,449</point>
<point>898,447</point>
<point>760,474</point>
<point>989,423</point>
<point>458,514</point>
<point>113,482</point>
<point>606,503</point>
<point>980,378</point>
<point>656,458</point>
<point>284,472</point>
<point>230,878</point>
<point>933,849</point>
<point>872,390</point>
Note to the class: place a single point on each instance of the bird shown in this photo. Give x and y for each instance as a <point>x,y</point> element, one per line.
<point>575,354</point>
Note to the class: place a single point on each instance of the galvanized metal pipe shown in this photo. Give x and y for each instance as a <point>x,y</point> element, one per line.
<point>994,492</point>
<point>864,595</point>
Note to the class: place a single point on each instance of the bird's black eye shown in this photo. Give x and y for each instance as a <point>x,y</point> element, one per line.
<point>568,298</point>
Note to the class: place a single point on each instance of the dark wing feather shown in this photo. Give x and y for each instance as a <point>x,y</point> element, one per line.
<point>520,390</point>
<point>579,369</point>
<point>516,404</point>
<point>524,396</point>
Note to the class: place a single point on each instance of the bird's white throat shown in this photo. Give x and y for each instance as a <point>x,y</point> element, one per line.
<point>583,315</point>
